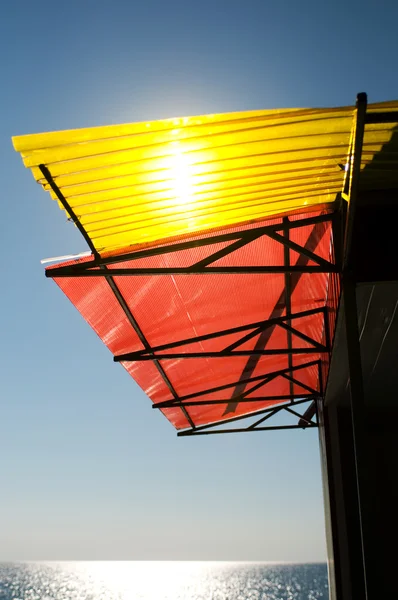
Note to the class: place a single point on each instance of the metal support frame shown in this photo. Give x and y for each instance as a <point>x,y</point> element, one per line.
<point>255,328</point>
<point>216,354</point>
<point>245,400</point>
<point>281,316</point>
<point>357,396</point>
<point>380,117</point>
<point>260,381</point>
<point>230,350</point>
<point>342,234</point>
<point>264,416</point>
<point>248,270</point>
<point>242,238</point>
<point>288,298</point>
<point>351,183</point>
<point>49,178</point>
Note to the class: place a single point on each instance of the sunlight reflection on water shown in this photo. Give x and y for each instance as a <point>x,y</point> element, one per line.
<point>162,581</point>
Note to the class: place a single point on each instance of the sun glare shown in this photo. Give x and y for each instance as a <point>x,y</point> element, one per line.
<point>132,580</point>
<point>181,177</point>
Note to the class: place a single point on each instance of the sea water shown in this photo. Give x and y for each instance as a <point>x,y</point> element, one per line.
<point>162,581</point>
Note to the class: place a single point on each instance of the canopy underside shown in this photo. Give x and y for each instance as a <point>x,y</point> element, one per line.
<point>213,277</point>
<point>178,318</point>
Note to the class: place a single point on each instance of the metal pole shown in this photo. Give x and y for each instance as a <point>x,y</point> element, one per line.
<point>357,400</point>
<point>357,396</point>
<point>288,300</point>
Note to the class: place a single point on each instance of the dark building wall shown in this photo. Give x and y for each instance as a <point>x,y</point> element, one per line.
<point>362,535</point>
<point>379,503</point>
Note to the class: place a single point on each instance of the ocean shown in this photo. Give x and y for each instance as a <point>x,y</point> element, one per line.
<point>162,581</point>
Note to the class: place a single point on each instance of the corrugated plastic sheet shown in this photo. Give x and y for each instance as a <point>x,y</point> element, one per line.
<point>169,308</point>
<point>145,182</point>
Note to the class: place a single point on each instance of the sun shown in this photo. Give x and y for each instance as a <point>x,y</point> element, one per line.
<point>181,178</point>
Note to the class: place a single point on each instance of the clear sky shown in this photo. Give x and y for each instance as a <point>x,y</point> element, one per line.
<point>88,469</point>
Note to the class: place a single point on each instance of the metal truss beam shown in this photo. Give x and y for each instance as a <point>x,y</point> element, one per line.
<point>282,397</point>
<point>256,328</point>
<point>288,296</point>
<point>352,179</point>
<point>216,354</point>
<point>49,178</point>
<point>267,416</point>
<point>309,413</point>
<point>243,430</point>
<point>313,240</point>
<point>133,322</point>
<point>294,380</point>
<point>259,380</point>
<point>246,270</point>
<point>290,245</point>
<point>242,237</point>
<point>381,117</point>
<point>258,413</point>
<point>265,377</point>
<point>264,414</point>
<point>357,395</point>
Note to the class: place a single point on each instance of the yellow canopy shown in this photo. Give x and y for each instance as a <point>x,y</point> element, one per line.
<point>146,182</point>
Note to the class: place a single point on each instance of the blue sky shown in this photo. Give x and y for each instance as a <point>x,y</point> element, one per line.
<point>88,470</point>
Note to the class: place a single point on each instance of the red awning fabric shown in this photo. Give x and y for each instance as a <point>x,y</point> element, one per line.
<point>170,308</point>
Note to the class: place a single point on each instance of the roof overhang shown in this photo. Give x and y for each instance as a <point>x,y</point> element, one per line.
<point>216,249</point>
